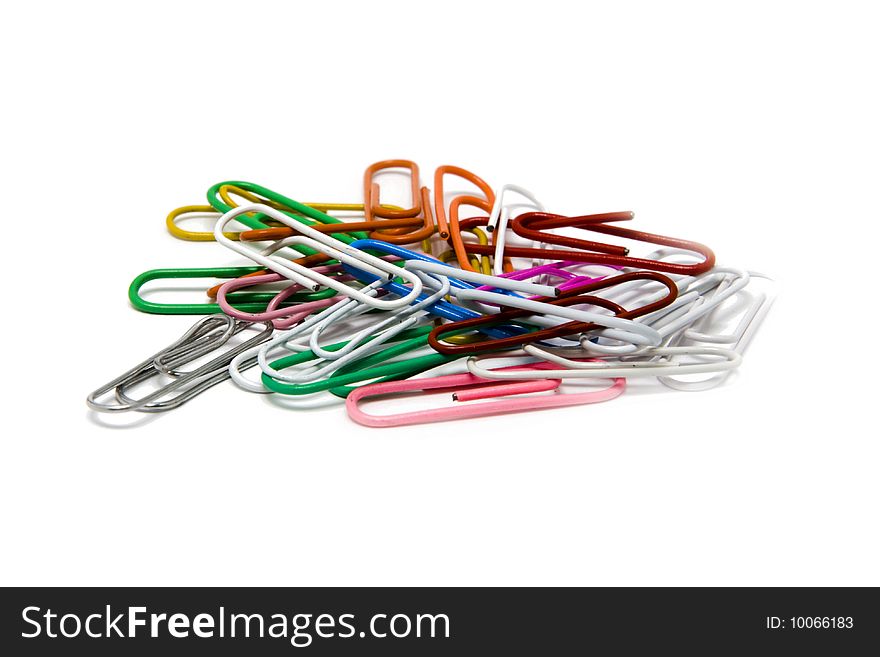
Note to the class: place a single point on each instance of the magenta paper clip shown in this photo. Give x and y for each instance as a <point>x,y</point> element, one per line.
<point>552,269</point>
<point>468,387</point>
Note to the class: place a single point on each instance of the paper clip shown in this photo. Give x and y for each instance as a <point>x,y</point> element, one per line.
<point>308,278</point>
<point>462,248</point>
<point>177,216</point>
<point>254,218</point>
<point>372,200</point>
<point>499,217</point>
<point>620,326</point>
<point>376,226</point>
<point>532,224</point>
<point>738,340</point>
<point>468,387</point>
<point>246,302</point>
<point>687,308</point>
<point>384,221</point>
<point>379,366</point>
<point>658,361</point>
<point>282,316</point>
<point>439,194</point>
<point>205,336</point>
<point>366,341</point>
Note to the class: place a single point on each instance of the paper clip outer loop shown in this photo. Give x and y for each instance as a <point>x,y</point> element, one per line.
<point>248,302</point>
<point>372,201</point>
<point>527,224</point>
<point>578,294</point>
<point>294,209</point>
<point>372,367</point>
<point>469,382</point>
<point>440,202</point>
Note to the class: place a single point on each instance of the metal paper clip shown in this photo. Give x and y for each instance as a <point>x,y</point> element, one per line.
<point>205,336</point>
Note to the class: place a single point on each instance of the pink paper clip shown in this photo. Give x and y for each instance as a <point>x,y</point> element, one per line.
<point>468,387</point>
<point>281,318</point>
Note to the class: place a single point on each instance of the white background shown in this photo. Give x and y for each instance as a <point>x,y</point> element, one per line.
<point>753,129</point>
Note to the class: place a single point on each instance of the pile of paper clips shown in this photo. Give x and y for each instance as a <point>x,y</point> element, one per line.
<point>370,299</point>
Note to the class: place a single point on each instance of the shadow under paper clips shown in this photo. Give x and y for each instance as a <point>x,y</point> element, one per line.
<point>651,387</point>
<point>304,402</point>
<point>121,420</point>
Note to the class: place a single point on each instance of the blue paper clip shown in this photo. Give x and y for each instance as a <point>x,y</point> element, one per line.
<point>441,308</point>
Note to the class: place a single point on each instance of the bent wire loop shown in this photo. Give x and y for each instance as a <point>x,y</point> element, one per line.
<point>397,220</point>
<point>372,200</point>
<point>501,214</point>
<point>440,199</point>
<point>691,304</point>
<point>205,336</point>
<point>534,226</point>
<point>388,230</point>
<point>281,315</point>
<point>716,359</point>
<point>442,308</point>
<point>293,210</point>
<point>245,302</point>
<point>460,246</point>
<point>738,340</point>
<point>469,387</point>
<point>221,197</point>
<point>367,340</point>
<point>384,221</point>
<point>621,322</point>
<point>326,243</point>
<point>353,307</point>
<point>177,216</point>
<point>280,310</point>
<point>379,366</point>
<point>375,335</point>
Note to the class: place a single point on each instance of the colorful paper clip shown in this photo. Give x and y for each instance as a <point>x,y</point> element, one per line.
<point>356,304</point>
<point>466,388</point>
